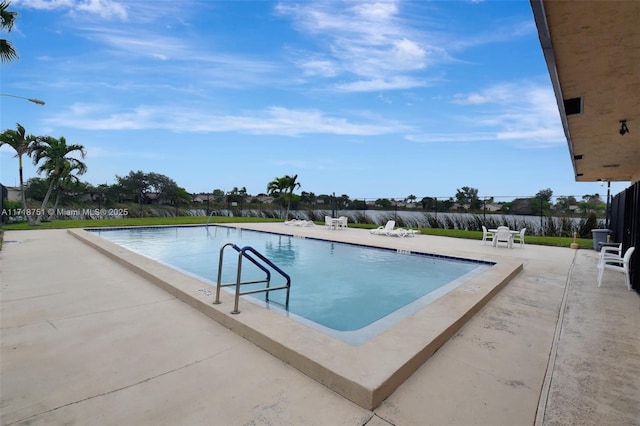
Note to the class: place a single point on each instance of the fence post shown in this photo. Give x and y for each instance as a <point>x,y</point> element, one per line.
<point>364,209</point>
<point>436,198</point>
<point>484,210</point>
<point>541,226</point>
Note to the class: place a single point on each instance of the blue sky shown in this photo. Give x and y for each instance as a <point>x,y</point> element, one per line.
<point>369,99</point>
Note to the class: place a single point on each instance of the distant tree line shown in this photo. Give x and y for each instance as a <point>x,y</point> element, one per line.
<point>60,165</point>
<point>150,188</point>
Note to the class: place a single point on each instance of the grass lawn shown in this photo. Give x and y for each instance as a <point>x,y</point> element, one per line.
<point>193,220</point>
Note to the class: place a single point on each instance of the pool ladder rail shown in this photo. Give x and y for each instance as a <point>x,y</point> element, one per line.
<point>249,253</point>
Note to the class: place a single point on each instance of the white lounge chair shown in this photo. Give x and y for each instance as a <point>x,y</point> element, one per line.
<point>291,222</point>
<point>383,230</point>
<point>398,232</point>
<point>616,263</point>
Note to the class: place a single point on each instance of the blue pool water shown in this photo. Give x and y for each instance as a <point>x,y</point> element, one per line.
<point>341,288</point>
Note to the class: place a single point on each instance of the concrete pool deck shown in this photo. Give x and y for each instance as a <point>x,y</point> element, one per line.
<point>86,340</point>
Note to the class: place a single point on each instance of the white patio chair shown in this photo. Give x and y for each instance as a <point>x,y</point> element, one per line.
<point>615,251</point>
<point>618,264</point>
<point>383,230</point>
<point>503,235</point>
<point>328,222</point>
<point>519,238</point>
<point>486,235</point>
<point>342,222</point>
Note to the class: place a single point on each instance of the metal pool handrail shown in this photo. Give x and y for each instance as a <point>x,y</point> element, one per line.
<point>244,253</point>
<point>210,216</point>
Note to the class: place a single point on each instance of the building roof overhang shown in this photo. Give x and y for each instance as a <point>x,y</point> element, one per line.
<point>592,51</point>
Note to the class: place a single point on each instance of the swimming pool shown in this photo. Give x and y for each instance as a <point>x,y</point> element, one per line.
<point>352,292</point>
<point>367,372</point>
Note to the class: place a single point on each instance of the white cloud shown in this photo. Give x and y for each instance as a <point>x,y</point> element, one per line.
<point>318,67</point>
<point>139,42</point>
<point>395,83</point>
<point>44,4</point>
<point>379,11</point>
<point>470,137</point>
<point>106,9</point>
<point>368,41</point>
<point>499,93</point>
<point>376,44</point>
<point>524,114</point>
<point>408,53</point>
<point>270,121</point>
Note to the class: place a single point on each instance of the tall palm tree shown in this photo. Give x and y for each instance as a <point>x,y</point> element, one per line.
<point>58,158</point>
<point>7,18</point>
<point>286,184</point>
<point>20,142</point>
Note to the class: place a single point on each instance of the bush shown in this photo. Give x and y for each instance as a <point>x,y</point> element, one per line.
<point>584,230</point>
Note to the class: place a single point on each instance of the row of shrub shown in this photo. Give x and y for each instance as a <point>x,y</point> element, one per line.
<point>544,226</point>
<point>562,226</point>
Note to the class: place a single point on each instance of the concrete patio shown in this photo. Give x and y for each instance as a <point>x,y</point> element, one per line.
<point>86,340</point>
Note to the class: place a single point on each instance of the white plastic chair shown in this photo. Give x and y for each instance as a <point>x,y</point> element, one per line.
<point>486,235</point>
<point>328,222</point>
<point>609,252</point>
<point>503,235</point>
<point>519,238</point>
<point>342,222</point>
<point>606,251</point>
<point>616,263</point>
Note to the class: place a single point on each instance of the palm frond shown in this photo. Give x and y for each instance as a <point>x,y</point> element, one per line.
<point>7,52</point>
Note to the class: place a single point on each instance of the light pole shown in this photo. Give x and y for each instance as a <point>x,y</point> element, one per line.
<point>608,204</point>
<point>34,100</point>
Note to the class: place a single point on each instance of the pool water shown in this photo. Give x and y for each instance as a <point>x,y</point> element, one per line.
<point>347,290</point>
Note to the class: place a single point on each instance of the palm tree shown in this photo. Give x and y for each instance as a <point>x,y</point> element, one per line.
<point>286,184</point>
<point>21,142</point>
<point>67,179</point>
<point>55,154</point>
<point>7,18</point>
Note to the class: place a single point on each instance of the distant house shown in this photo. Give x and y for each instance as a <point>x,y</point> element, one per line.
<point>13,193</point>
<point>457,206</point>
<point>264,199</point>
<point>202,198</point>
<point>493,207</point>
<point>154,198</point>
